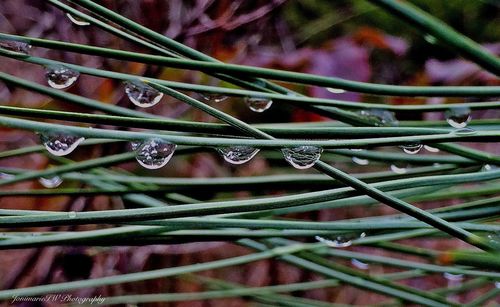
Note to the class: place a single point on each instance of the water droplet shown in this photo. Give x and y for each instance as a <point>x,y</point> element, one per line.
<point>485,168</point>
<point>213,97</point>
<point>50,183</point>
<point>335,90</point>
<point>77,21</point>
<point>458,117</point>
<point>5,176</point>
<point>302,157</point>
<point>497,284</point>
<point>453,277</point>
<point>154,153</point>
<point>238,154</point>
<point>72,214</point>
<point>356,149</point>
<point>380,117</point>
<point>359,264</point>
<point>258,105</point>
<point>15,46</point>
<point>142,95</point>
<point>430,39</point>
<point>60,144</point>
<point>464,131</point>
<point>343,240</point>
<point>60,77</point>
<point>360,161</point>
<point>430,149</point>
<point>411,148</point>
<point>398,170</point>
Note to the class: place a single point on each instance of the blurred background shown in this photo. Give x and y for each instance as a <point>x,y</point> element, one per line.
<point>348,39</point>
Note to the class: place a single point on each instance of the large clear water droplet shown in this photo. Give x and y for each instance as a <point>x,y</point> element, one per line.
<point>50,183</point>
<point>380,117</point>
<point>154,153</point>
<point>237,154</point>
<point>60,77</point>
<point>60,144</point>
<point>257,104</point>
<point>142,95</point>
<point>15,46</point>
<point>215,97</point>
<point>359,264</point>
<point>343,240</point>
<point>412,148</point>
<point>458,117</point>
<point>77,21</point>
<point>488,167</point>
<point>302,157</point>
<point>360,161</point>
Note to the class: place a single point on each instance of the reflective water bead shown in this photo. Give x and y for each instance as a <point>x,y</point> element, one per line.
<point>497,284</point>
<point>15,46</point>
<point>458,117</point>
<point>154,153</point>
<point>213,97</point>
<point>335,90</point>
<point>238,154</point>
<point>302,157</point>
<point>412,148</point>
<point>453,277</point>
<point>77,21</point>
<point>60,144</point>
<point>60,77</point>
<point>360,161</point>
<point>398,170</point>
<point>258,105</point>
<point>344,240</point>
<point>50,183</point>
<point>72,214</point>
<point>380,117</point>
<point>142,95</point>
<point>359,264</point>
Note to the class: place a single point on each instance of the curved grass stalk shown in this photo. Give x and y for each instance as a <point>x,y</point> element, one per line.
<point>479,136</point>
<point>161,60</point>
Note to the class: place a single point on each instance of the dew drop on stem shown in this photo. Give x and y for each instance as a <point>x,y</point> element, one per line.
<point>359,264</point>
<point>360,161</point>
<point>380,117</point>
<point>464,131</point>
<point>154,153</point>
<point>142,95</point>
<point>257,104</point>
<point>61,77</point>
<point>340,241</point>
<point>430,149</point>
<point>237,154</point>
<point>60,144</point>
<point>458,117</point>
<point>411,148</point>
<point>50,183</point>
<point>302,157</point>
<point>398,170</point>
<point>215,97</point>
<point>72,214</point>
